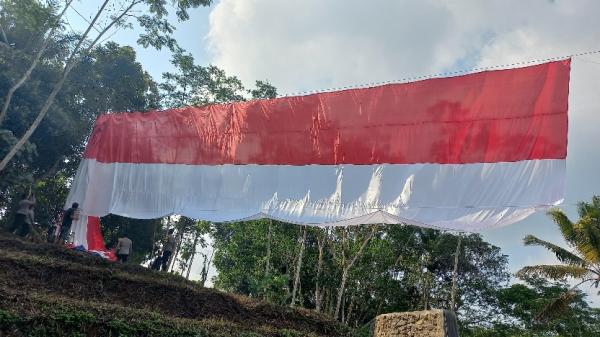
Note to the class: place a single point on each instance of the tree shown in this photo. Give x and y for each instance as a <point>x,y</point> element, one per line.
<point>321,242</point>
<point>520,303</point>
<point>53,22</point>
<point>350,250</point>
<point>263,90</point>
<point>198,85</point>
<point>240,256</point>
<point>192,235</point>
<point>298,266</point>
<point>108,79</point>
<point>157,34</point>
<point>193,84</point>
<point>387,276</point>
<point>583,263</point>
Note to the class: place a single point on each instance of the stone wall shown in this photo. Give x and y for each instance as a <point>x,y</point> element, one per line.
<point>431,323</point>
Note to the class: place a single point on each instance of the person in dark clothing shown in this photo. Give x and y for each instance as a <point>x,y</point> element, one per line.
<point>156,264</point>
<point>24,216</point>
<point>70,215</point>
<point>168,249</point>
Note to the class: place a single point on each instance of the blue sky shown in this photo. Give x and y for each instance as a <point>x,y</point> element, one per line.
<point>314,45</point>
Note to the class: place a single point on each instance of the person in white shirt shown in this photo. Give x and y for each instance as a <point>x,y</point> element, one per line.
<point>23,223</point>
<point>124,248</point>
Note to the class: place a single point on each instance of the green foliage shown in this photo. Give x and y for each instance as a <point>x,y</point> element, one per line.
<point>554,272</point>
<point>263,90</point>
<point>50,196</point>
<point>388,277</point>
<point>193,84</point>
<point>198,85</point>
<point>562,254</point>
<point>64,320</point>
<point>520,304</point>
<point>157,29</point>
<point>289,333</point>
<point>8,319</point>
<point>240,258</point>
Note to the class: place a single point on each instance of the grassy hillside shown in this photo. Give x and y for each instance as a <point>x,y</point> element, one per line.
<point>46,290</point>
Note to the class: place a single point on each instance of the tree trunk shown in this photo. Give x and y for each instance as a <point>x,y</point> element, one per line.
<point>346,269</point>
<point>33,64</point>
<point>205,267</point>
<point>332,302</point>
<point>455,275</point>
<point>191,262</point>
<point>176,252</point>
<point>4,38</point>
<point>268,266</point>
<point>343,310</point>
<point>70,64</point>
<point>325,302</point>
<point>298,267</point>
<point>426,288</point>
<point>340,295</point>
<point>318,296</point>
<point>350,307</point>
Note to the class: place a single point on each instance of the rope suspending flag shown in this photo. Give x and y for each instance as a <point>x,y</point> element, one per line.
<point>468,152</point>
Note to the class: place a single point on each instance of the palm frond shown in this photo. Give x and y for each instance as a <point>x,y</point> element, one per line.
<point>582,208</point>
<point>557,307</point>
<point>591,209</point>
<point>588,239</point>
<point>555,272</point>
<point>596,202</point>
<point>564,224</point>
<point>562,254</point>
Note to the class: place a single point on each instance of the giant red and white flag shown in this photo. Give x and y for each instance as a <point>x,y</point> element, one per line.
<point>468,152</point>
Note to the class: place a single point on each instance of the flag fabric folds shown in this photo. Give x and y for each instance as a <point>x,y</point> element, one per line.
<point>466,153</point>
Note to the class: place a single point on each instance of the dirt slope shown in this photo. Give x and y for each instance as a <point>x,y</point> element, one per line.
<point>62,292</point>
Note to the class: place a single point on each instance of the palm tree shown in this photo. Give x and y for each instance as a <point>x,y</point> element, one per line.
<point>581,261</point>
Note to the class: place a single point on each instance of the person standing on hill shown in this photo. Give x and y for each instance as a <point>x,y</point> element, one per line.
<point>124,248</point>
<point>52,230</point>
<point>24,216</point>
<point>168,249</point>
<point>29,223</point>
<point>70,215</point>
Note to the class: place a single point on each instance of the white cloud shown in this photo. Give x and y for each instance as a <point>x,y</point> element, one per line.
<point>313,44</point>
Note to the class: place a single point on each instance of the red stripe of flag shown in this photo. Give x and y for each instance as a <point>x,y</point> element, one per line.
<point>95,241</point>
<point>494,116</point>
